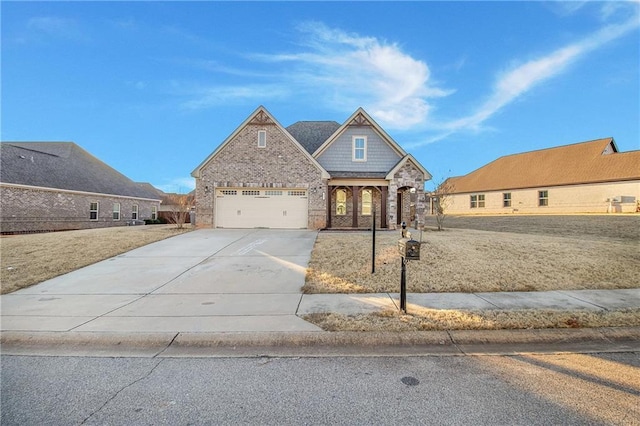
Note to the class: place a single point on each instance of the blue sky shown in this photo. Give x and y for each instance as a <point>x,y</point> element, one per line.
<point>152,88</point>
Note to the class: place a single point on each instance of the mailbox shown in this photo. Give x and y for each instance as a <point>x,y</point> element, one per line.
<point>409,249</point>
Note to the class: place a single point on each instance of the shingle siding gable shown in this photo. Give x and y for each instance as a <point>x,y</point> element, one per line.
<point>339,155</point>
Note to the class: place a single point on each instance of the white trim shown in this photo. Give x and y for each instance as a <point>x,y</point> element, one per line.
<point>114,211</point>
<point>354,148</point>
<point>135,210</point>
<point>358,182</point>
<point>72,191</point>
<point>264,144</point>
<point>97,211</point>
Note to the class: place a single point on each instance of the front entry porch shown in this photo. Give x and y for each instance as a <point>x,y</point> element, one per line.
<point>353,206</point>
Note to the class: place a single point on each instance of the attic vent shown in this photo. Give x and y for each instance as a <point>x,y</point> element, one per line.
<point>609,150</point>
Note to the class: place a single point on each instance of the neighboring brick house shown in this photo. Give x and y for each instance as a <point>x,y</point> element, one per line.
<point>312,174</point>
<point>587,177</point>
<point>54,186</point>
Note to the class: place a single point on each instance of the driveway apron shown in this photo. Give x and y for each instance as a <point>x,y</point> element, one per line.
<point>210,280</point>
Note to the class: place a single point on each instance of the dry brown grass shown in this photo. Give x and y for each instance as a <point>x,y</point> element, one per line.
<point>33,258</point>
<point>435,319</point>
<point>522,254</point>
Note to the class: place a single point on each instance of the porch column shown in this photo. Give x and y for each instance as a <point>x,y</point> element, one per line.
<point>354,197</point>
<point>383,207</point>
<point>329,194</point>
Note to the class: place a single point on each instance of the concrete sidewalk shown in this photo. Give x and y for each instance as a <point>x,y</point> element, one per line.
<point>350,304</point>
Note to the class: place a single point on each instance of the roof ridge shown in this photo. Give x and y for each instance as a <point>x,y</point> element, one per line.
<point>556,147</point>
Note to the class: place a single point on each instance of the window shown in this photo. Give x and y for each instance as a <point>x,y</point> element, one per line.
<point>93,211</point>
<point>297,193</point>
<point>251,192</point>
<point>134,212</point>
<point>154,212</point>
<point>341,202</point>
<point>506,199</point>
<point>229,192</point>
<point>359,148</point>
<point>543,198</point>
<point>477,201</point>
<point>116,211</point>
<point>262,138</point>
<point>366,202</point>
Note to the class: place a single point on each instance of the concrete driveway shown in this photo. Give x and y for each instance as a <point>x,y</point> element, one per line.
<point>210,280</point>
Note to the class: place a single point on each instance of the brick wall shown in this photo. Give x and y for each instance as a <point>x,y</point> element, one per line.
<point>241,164</point>
<point>34,210</point>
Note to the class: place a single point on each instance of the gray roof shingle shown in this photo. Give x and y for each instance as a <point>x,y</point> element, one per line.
<point>64,165</point>
<point>312,134</point>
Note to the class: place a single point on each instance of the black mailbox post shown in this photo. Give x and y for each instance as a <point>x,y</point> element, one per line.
<point>409,250</point>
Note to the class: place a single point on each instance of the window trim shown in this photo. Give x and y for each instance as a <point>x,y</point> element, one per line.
<point>154,212</point>
<point>543,198</point>
<point>262,142</point>
<point>342,204</point>
<point>354,149</point>
<point>96,211</point>
<point>134,212</point>
<point>116,212</point>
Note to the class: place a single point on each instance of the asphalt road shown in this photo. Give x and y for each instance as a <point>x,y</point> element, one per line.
<point>568,389</point>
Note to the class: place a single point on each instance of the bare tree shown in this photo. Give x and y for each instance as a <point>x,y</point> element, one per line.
<point>442,199</point>
<point>179,208</point>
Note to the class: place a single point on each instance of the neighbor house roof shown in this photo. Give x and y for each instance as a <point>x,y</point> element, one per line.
<point>312,134</point>
<point>581,163</point>
<point>65,166</point>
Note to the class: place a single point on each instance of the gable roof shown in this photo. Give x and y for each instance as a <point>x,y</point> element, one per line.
<point>403,161</point>
<point>360,118</point>
<point>259,115</point>
<point>64,166</point>
<point>587,162</point>
<point>312,134</point>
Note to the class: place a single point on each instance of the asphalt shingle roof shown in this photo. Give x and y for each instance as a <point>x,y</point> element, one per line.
<point>312,134</point>
<point>64,165</point>
<point>581,163</point>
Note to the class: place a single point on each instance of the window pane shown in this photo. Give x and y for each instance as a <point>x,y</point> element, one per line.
<point>366,202</point>
<point>341,202</point>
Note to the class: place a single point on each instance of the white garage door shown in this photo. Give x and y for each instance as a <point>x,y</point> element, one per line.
<point>261,208</point>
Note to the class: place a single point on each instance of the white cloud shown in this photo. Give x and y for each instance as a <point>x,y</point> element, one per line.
<point>52,26</point>
<point>210,96</point>
<point>364,71</point>
<point>339,69</point>
<point>520,79</point>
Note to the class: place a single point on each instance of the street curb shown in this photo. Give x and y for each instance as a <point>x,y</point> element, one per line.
<point>454,342</point>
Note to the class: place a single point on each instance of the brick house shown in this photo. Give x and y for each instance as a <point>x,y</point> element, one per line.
<point>54,186</point>
<point>586,177</point>
<point>312,174</point>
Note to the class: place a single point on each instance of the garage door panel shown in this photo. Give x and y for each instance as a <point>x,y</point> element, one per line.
<point>250,208</point>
